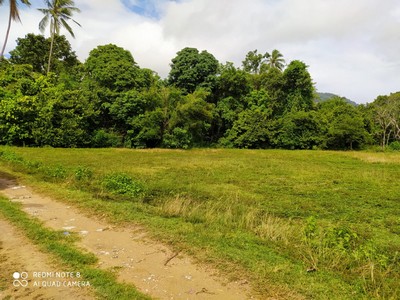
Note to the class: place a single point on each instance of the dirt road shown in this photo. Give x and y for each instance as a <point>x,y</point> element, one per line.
<point>152,267</point>
<point>17,254</point>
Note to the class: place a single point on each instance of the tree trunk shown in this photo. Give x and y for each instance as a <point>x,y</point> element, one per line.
<point>53,33</point>
<point>6,39</point>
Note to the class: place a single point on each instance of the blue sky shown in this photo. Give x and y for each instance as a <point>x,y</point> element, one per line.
<point>352,48</point>
<point>149,9</point>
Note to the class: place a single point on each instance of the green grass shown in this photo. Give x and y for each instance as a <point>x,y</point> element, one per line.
<point>62,248</point>
<point>268,216</point>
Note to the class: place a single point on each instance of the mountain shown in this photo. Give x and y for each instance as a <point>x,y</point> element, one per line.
<point>327,96</point>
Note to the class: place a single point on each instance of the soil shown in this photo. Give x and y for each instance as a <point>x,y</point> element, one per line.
<point>17,254</point>
<point>152,267</point>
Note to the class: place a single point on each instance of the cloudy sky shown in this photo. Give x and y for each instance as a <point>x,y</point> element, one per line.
<point>352,47</point>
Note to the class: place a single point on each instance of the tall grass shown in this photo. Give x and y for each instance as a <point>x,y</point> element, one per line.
<point>299,223</point>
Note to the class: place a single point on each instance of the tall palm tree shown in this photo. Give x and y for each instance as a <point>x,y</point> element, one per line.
<point>275,60</point>
<point>14,16</point>
<point>58,12</point>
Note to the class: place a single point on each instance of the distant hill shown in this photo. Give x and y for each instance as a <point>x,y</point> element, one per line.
<point>326,96</point>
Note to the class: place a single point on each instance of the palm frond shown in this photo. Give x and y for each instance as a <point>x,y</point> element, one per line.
<point>66,26</point>
<point>14,13</point>
<point>43,23</point>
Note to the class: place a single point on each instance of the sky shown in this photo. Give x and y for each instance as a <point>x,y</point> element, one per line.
<point>352,47</point>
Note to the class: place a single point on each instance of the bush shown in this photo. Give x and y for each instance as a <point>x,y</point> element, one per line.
<point>11,157</point>
<point>83,173</point>
<point>104,139</point>
<point>55,173</point>
<point>122,184</point>
<point>395,146</point>
<point>179,138</point>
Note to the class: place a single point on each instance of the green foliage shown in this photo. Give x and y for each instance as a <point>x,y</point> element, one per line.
<point>386,114</point>
<point>191,69</point>
<point>178,138</point>
<point>83,173</point>
<point>395,146</point>
<point>251,209</point>
<point>113,67</point>
<point>123,184</point>
<point>194,115</point>
<point>250,130</point>
<point>298,87</point>
<point>102,139</point>
<point>231,82</point>
<point>253,62</point>
<point>297,130</point>
<point>110,102</point>
<point>33,50</point>
<point>146,130</point>
<point>344,125</point>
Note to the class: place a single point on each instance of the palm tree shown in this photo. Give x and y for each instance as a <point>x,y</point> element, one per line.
<point>14,15</point>
<point>58,12</point>
<point>275,59</point>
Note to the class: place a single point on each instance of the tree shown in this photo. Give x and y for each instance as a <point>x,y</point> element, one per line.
<point>191,69</point>
<point>113,68</point>
<point>193,115</point>
<point>250,130</point>
<point>33,49</point>
<point>387,115</point>
<point>58,12</point>
<point>297,130</point>
<point>231,82</point>
<point>275,60</point>
<point>257,63</point>
<point>232,87</point>
<point>298,87</point>
<point>273,82</point>
<point>251,125</point>
<point>342,125</point>
<point>253,62</point>
<point>14,15</point>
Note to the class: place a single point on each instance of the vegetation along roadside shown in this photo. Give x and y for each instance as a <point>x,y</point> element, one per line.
<point>295,222</point>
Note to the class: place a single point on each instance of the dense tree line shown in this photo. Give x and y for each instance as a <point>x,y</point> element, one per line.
<point>109,100</point>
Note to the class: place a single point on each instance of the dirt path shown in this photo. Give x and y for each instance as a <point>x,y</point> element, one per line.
<point>17,254</point>
<point>150,266</point>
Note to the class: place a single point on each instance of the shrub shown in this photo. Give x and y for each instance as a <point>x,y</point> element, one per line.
<point>104,139</point>
<point>179,138</point>
<point>56,173</point>
<point>122,184</point>
<point>83,173</point>
<point>11,156</point>
<point>395,146</point>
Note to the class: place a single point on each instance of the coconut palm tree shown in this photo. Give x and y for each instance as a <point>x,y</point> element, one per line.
<point>275,59</point>
<point>58,12</point>
<point>14,16</point>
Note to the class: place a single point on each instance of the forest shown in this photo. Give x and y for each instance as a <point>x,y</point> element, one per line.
<point>110,101</point>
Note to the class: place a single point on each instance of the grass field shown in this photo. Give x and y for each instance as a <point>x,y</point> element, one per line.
<point>297,224</point>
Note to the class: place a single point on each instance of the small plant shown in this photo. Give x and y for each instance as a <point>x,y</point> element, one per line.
<point>310,230</point>
<point>122,184</point>
<point>395,146</point>
<point>55,173</point>
<point>10,156</point>
<point>83,173</point>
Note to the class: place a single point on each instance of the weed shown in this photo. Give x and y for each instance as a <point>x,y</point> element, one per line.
<point>122,184</point>
<point>83,174</point>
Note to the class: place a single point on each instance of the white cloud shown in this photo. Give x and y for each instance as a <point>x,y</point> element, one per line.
<point>351,46</point>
